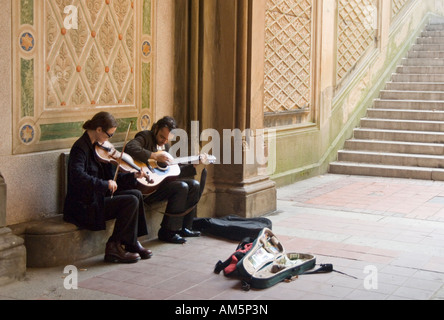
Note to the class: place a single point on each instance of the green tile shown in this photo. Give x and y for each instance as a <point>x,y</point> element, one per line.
<point>58,131</point>
<point>147,17</point>
<point>27,12</point>
<point>124,123</point>
<point>27,87</point>
<point>146,85</point>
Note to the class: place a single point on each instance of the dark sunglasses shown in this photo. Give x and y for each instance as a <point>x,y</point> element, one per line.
<point>109,135</point>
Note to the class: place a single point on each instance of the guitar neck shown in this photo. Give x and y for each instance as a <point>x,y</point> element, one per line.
<point>184,160</point>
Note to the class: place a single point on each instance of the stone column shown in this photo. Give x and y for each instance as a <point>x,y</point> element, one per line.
<point>243,189</point>
<point>12,250</point>
<point>223,84</point>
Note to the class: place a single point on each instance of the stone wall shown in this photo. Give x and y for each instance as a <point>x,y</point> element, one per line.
<point>12,250</point>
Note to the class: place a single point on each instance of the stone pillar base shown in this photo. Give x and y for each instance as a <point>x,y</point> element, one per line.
<point>12,257</point>
<point>249,201</point>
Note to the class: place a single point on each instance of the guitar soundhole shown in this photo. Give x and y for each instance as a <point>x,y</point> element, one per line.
<point>162,165</point>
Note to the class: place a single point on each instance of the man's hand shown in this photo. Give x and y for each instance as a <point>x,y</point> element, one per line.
<point>162,157</point>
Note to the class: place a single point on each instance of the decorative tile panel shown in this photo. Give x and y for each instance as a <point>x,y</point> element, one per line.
<point>397,6</point>
<point>288,56</point>
<point>355,33</point>
<point>74,58</point>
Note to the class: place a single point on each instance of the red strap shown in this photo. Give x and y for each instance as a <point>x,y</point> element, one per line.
<point>234,260</point>
<point>232,266</point>
<point>247,248</point>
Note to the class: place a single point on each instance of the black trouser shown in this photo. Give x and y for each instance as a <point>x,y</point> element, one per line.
<point>181,195</point>
<point>128,210</point>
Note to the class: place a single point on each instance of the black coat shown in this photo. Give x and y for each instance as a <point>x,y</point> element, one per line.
<point>143,145</point>
<point>88,186</point>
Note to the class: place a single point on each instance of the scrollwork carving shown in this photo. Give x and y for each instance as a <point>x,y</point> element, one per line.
<point>120,70</point>
<point>107,36</point>
<point>63,68</point>
<point>93,69</point>
<point>121,8</point>
<point>94,7</point>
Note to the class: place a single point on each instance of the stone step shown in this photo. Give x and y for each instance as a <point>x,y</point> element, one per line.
<point>403,114</point>
<point>432,33</point>
<point>412,95</point>
<point>366,169</point>
<point>395,147</point>
<point>399,135</point>
<point>409,104</point>
<point>415,86</point>
<point>420,62</point>
<point>402,135</point>
<point>419,70</point>
<point>427,47</point>
<point>426,55</point>
<point>430,40</point>
<point>399,77</point>
<point>405,125</point>
<point>435,27</point>
<point>389,158</point>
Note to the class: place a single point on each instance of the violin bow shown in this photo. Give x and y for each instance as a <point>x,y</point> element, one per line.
<point>121,155</point>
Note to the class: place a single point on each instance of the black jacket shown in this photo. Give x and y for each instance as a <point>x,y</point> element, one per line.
<point>88,186</point>
<point>141,147</point>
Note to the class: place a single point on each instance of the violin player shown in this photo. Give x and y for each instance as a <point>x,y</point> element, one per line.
<point>93,197</point>
<point>182,194</point>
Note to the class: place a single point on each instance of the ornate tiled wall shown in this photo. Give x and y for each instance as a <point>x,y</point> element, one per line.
<point>288,57</point>
<point>73,58</point>
<point>397,6</point>
<point>356,33</point>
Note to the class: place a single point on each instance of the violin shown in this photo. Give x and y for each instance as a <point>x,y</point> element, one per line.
<point>107,153</point>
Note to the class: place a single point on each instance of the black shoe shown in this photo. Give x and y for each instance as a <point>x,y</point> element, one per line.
<point>189,233</point>
<point>170,236</point>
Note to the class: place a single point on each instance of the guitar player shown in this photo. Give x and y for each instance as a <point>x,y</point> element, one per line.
<point>182,193</point>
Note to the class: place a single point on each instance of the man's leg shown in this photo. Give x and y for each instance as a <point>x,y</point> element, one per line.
<point>192,200</point>
<point>176,192</point>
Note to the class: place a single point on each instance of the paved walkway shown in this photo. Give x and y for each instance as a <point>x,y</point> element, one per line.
<point>386,235</point>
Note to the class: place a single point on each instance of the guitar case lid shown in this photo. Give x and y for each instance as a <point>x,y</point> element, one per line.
<point>267,263</point>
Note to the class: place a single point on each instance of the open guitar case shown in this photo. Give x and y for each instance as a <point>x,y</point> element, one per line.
<point>267,263</point>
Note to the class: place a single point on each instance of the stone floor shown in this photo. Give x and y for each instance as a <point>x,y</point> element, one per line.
<point>385,235</point>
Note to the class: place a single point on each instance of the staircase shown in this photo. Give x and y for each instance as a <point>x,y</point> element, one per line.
<point>402,135</point>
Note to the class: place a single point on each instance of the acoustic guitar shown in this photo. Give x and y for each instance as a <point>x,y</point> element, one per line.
<point>160,172</point>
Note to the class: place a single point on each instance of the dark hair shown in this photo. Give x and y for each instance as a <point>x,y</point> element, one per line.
<point>165,122</point>
<point>103,119</point>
